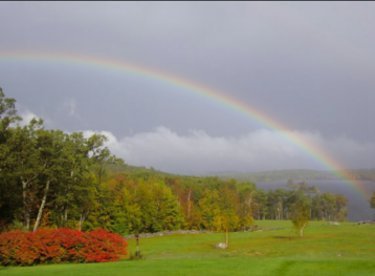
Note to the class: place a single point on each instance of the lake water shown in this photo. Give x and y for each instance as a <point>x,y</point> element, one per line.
<point>358,205</point>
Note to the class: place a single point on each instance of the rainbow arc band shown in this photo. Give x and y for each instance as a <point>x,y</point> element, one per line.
<point>72,59</point>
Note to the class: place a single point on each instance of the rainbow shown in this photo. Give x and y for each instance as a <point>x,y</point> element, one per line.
<point>201,90</point>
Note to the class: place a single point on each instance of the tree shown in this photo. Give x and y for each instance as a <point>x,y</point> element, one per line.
<point>76,195</point>
<point>246,197</point>
<point>27,168</point>
<point>340,208</point>
<point>260,209</point>
<point>328,206</point>
<point>50,144</point>
<point>277,202</point>
<point>167,209</point>
<point>210,209</point>
<point>300,212</point>
<point>8,114</point>
<point>229,208</point>
<point>9,192</point>
<point>372,200</point>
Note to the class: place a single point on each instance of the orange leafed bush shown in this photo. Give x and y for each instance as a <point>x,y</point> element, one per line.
<point>60,245</point>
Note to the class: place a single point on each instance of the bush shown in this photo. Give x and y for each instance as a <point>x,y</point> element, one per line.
<point>60,245</point>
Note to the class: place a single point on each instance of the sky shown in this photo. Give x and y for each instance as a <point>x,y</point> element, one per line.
<point>308,65</point>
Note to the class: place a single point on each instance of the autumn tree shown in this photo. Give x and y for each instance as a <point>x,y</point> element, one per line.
<point>210,210</point>
<point>246,205</point>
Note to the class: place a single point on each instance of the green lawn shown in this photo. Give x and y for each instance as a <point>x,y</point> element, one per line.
<point>347,249</point>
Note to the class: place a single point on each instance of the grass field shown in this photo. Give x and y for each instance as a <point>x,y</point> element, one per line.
<point>347,249</point>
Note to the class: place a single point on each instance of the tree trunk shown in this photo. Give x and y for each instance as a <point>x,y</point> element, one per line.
<point>226,237</point>
<point>80,222</point>
<point>82,219</point>
<point>137,249</point>
<point>301,230</point>
<point>64,217</point>
<point>40,212</point>
<point>189,204</point>
<point>26,213</point>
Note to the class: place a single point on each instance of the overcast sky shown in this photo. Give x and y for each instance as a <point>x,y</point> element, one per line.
<point>309,65</point>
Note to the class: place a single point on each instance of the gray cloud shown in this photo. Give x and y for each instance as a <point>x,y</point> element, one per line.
<point>199,153</point>
<point>309,65</point>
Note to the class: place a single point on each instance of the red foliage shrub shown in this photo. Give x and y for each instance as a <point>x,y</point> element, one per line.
<point>104,246</point>
<point>60,245</point>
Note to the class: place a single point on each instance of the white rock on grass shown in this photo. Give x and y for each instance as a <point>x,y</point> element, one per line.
<point>221,245</point>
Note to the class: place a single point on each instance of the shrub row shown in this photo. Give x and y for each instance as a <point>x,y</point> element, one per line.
<point>60,245</point>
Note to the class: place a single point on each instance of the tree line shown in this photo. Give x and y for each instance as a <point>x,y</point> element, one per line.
<point>51,178</point>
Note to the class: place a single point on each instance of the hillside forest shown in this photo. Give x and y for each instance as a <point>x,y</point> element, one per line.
<point>51,178</point>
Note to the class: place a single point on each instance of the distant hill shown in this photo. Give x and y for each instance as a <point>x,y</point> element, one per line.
<point>297,175</point>
<point>263,176</point>
<point>135,170</point>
